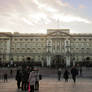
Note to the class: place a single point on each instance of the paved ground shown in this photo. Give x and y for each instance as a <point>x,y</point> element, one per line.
<point>52,85</point>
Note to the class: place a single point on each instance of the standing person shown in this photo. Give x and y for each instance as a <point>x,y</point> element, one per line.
<point>23,80</point>
<point>36,79</point>
<point>5,77</point>
<point>32,79</point>
<point>59,73</point>
<point>80,71</point>
<point>18,78</point>
<point>11,72</point>
<point>66,75</point>
<point>28,72</point>
<point>74,73</point>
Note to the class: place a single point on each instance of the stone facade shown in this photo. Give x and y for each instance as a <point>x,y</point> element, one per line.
<point>58,46</point>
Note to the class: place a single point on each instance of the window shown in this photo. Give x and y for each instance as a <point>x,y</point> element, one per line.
<point>21,39</point>
<point>42,39</point>
<point>79,39</point>
<point>15,39</point>
<point>36,39</point>
<point>39,48</point>
<point>90,39</point>
<point>74,39</point>
<point>28,48</point>
<point>26,39</point>
<point>31,39</point>
<point>84,39</point>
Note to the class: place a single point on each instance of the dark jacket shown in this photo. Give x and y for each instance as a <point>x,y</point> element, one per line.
<point>74,71</point>
<point>66,74</point>
<point>18,75</point>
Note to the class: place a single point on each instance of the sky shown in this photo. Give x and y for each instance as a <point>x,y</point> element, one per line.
<point>36,16</point>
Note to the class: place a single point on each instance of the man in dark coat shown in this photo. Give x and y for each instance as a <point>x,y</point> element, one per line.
<point>74,73</point>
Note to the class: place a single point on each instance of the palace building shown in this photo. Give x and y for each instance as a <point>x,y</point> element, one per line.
<point>58,46</point>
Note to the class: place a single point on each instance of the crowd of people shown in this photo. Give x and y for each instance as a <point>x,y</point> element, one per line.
<point>28,78</point>
<point>74,72</point>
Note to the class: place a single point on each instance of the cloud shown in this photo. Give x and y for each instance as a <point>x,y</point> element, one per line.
<point>37,14</point>
<point>63,4</point>
<point>27,21</point>
<point>70,18</point>
<point>44,6</point>
<point>82,6</point>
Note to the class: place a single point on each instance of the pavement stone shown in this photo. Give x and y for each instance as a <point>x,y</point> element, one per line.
<point>52,85</point>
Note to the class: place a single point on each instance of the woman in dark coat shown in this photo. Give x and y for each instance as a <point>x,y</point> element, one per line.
<point>18,78</point>
<point>66,75</point>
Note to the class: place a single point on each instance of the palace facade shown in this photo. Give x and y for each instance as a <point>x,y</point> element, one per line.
<point>58,46</point>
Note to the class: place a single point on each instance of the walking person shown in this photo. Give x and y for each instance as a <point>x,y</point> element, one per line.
<point>18,78</point>
<point>66,75</point>
<point>32,79</point>
<point>74,73</point>
<point>59,74</point>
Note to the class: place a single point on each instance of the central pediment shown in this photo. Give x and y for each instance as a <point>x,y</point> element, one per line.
<point>58,33</point>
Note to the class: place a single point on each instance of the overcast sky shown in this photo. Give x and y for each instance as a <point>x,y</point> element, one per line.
<point>36,16</point>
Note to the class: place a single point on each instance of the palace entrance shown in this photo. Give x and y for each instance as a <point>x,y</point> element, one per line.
<point>58,61</point>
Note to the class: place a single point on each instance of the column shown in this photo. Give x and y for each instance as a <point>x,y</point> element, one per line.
<point>48,60</point>
<point>67,51</point>
<point>67,60</point>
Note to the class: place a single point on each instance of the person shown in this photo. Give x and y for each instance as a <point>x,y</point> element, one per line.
<point>18,78</point>
<point>37,79</point>
<point>59,73</point>
<point>80,71</point>
<point>74,73</point>
<point>5,77</point>
<point>24,79</point>
<point>11,72</point>
<point>27,76</point>
<point>32,79</point>
<point>66,75</point>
